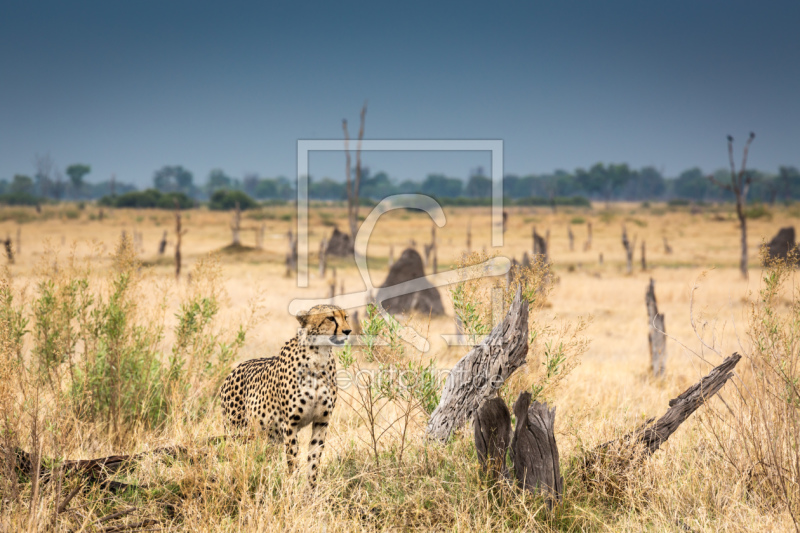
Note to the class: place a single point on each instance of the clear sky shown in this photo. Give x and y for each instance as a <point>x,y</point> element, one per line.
<point>129,86</point>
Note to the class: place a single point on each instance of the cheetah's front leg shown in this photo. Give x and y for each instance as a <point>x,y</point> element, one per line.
<point>290,445</point>
<point>318,432</point>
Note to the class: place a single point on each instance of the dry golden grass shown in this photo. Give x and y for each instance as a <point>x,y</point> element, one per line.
<point>685,486</point>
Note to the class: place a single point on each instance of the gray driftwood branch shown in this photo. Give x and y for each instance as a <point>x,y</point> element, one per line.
<point>478,375</point>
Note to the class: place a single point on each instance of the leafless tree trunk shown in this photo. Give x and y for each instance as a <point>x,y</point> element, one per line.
<point>469,237</point>
<point>657,337</point>
<point>505,221</point>
<point>667,247</point>
<point>739,186</point>
<point>353,185</point>
<point>179,233</point>
<point>629,249</point>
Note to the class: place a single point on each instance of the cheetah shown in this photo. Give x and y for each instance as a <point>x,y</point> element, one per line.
<point>280,395</point>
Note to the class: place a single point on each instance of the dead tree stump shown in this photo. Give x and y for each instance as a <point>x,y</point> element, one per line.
<point>179,233</point>
<point>162,245</point>
<point>9,250</point>
<point>629,248</point>
<point>322,264</point>
<point>644,259</point>
<point>588,244</point>
<point>540,247</point>
<point>534,450</point>
<point>492,426</point>
<point>657,336</point>
<point>478,375</point>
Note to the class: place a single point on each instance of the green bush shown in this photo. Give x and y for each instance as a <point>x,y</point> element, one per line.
<point>19,198</point>
<point>225,200</point>
<point>150,198</point>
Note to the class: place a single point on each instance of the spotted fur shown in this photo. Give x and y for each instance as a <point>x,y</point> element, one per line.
<point>280,395</point>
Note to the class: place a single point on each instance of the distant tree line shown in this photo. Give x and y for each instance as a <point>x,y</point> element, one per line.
<point>601,182</point>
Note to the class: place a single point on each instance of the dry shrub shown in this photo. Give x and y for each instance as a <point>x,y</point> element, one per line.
<point>757,429</point>
<point>555,346</point>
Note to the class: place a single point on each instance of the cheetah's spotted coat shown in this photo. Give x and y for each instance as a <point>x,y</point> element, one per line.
<point>280,395</point>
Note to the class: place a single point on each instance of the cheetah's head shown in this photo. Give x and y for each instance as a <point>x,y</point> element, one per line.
<point>326,320</point>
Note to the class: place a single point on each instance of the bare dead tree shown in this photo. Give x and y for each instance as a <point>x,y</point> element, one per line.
<point>739,186</point>
<point>667,247</point>
<point>656,337</point>
<point>588,244</point>
<point>629,248</point>
<point>179,233</point>
<point>469,237</point>
<point>353,184</point>
<point>505,221</point>
<point>571,237</point>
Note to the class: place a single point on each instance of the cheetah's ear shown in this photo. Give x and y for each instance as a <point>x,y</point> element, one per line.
<point>302,317</point>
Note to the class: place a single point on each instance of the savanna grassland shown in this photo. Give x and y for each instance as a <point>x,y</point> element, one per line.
<point>105,353</point>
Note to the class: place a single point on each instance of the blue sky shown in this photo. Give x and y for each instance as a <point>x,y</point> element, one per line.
<point>131,86</point>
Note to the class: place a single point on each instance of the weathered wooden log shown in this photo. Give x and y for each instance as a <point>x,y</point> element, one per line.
<point>680,408</point>
<point>652,435</point>
<point>534,450</point>
<point>656,337</point>
<point>492,425</point>
<point>478,375</point>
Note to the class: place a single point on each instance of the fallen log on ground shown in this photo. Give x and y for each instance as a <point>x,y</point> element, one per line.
<point>650,436</point>
<point>478,375</point>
